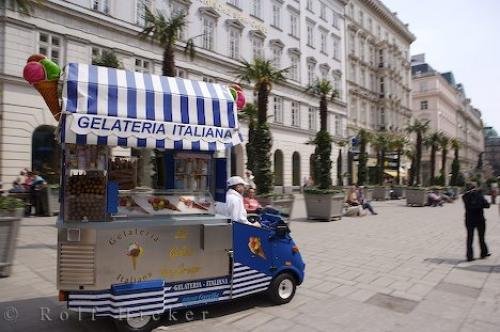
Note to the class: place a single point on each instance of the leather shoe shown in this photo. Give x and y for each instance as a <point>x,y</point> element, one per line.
<point>470,259</point>
<point>487,255</point>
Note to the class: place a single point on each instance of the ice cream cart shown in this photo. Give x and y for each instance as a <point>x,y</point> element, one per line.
<point>130,249</point>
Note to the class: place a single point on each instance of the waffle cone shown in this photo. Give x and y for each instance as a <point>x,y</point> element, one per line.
<point>48,90</point>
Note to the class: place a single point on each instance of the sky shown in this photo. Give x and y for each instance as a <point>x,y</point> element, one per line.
<point>462,36</point>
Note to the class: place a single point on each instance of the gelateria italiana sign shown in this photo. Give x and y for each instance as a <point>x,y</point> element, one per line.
<point>222,7</point>
<point>84,124</point>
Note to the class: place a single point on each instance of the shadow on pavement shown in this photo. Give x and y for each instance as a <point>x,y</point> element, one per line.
<point>449,261</point>
<point>46,314</point>
<point>481,268</point>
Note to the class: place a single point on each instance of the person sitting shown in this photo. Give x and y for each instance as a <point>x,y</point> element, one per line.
<point>235,209</point>
<point>434,199</point>
<point>250,203</point>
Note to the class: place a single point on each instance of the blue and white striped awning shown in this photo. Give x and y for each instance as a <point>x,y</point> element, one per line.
<point>123,108</point>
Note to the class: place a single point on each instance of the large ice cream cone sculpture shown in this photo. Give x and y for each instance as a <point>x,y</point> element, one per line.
<point>255,246</point>
<point>44,75</point>
<point>48,90</point>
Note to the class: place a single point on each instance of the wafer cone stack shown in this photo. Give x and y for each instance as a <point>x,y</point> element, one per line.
<point>48,90</point>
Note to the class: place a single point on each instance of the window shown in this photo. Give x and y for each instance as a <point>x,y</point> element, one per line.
<point>336,48</point>
<point>361,18</point>
<point>50,46</point>
<point>276,15</point>
<point>256,8</point>
<point>424,105</point>
<point>295,67</point>
<point>371,82</point>
<point>423,86</point>
<point>142,66</point>
<point>258,47</point>
<point>353,72</point>
<point>351,10</point>
<point>323,37</point>
<point>381,58</point>
<point>310,73</point>
<point>352,45</point>
<point>324,73</point>
<point>278,109</point>
<point>101,6</point>
<point>370,24</point>
<point>311,118</point>
<point>208,25</point>
<point>382,86</point>
<point>235,3</point>
<point>337,84</point>
<point>362,49</point>
<point>177,8</point>
<point>353,112</point>
<point>181,73</point>
<point>335,20</point>
<point>309,5</point>
<point>322,10</point>
<point>295,114</point>
<point>362,78</point>
<point>209,79</point>
<point>310,34</point>
<point>338,125</point>
<point>363,113</point>
<point>276,58</point>
<point>140,18</point>
<point>234,43</point>
<point>294,24</point>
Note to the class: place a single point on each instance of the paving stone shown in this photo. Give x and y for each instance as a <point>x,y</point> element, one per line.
<point>393,303</point>
<point>459,289</point>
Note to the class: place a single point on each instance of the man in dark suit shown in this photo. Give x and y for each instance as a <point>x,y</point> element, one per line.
<point>475,203</point>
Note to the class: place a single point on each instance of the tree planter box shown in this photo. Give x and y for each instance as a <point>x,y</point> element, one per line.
<point>282,203</point>
<point>53,201</point>
<point>416,197</point>
<point>399,192</point>
<point>9,228</point>
<point>381,194</point>
<point>324,206</point>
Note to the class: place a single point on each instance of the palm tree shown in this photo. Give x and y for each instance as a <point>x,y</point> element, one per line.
<point>398,143</point>
<point>340,181</point>
<point>263,74</point>
<point>249,113</point>
<point>107,59</point>
<point>455,165</point>
<point>410,154</point>
<point>24,7</point>
<point>325,91</point>
<point>364,137</point>
<point>166,32</point>
<point>419,128</point>
<point>444,143</point>
<point>381,142</point>
<point>432,141</point>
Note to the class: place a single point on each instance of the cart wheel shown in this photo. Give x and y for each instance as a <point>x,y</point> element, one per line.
<point>282,288</point>
<point>136,324</point>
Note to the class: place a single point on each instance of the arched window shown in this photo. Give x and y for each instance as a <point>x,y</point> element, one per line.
<point>312,164</point>
<point>278,168</point>
<point>46,154</point>
<point>296,169</point>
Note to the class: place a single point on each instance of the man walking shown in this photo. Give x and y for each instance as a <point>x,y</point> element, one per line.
<point>475,203</point>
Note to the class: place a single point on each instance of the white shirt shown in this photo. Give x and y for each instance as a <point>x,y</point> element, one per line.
<point>235,208</point>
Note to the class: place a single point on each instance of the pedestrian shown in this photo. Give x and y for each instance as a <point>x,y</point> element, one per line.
<point>362,200</point>
<point>475,203</point>
<point>250,202</point>
<point>434,199</point>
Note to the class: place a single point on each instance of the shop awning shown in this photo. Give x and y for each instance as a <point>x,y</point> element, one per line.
<point>123,108</point>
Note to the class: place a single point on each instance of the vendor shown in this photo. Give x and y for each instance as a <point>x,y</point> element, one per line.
<point>235,209</point>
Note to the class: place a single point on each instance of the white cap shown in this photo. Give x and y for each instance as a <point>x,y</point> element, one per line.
<point>234,180</point>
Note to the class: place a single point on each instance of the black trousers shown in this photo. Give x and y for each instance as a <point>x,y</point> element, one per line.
<point>481,229</point>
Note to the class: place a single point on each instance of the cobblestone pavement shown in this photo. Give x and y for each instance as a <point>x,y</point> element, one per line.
<point>401,270</point>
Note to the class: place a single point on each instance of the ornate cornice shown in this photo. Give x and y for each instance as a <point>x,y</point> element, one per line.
<point>390,18</point>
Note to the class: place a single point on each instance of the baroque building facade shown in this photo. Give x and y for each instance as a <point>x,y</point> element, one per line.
<point>439,99</point>
<point>305,36</point>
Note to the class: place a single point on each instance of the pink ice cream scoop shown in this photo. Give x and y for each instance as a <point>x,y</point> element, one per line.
<point>34,72</point>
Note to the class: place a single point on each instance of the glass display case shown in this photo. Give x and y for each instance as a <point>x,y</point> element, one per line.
<point>146,203</point>
<point>192,172</point>
<point>85,180</point>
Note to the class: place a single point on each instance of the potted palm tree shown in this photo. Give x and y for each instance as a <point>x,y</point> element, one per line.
<point>456,180</point>
<point>444,143</point>
<point>381,142</point>
<point>323,202</point>
<point>165,32</point>
<point>263,75</point>
<point>249,114</point>
<point>432,142</point>
<point>416,195</point>
<point>11,213</point>
<point>398,143</point>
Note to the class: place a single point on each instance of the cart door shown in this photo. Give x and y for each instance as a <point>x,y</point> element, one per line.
<point>253,259</point>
